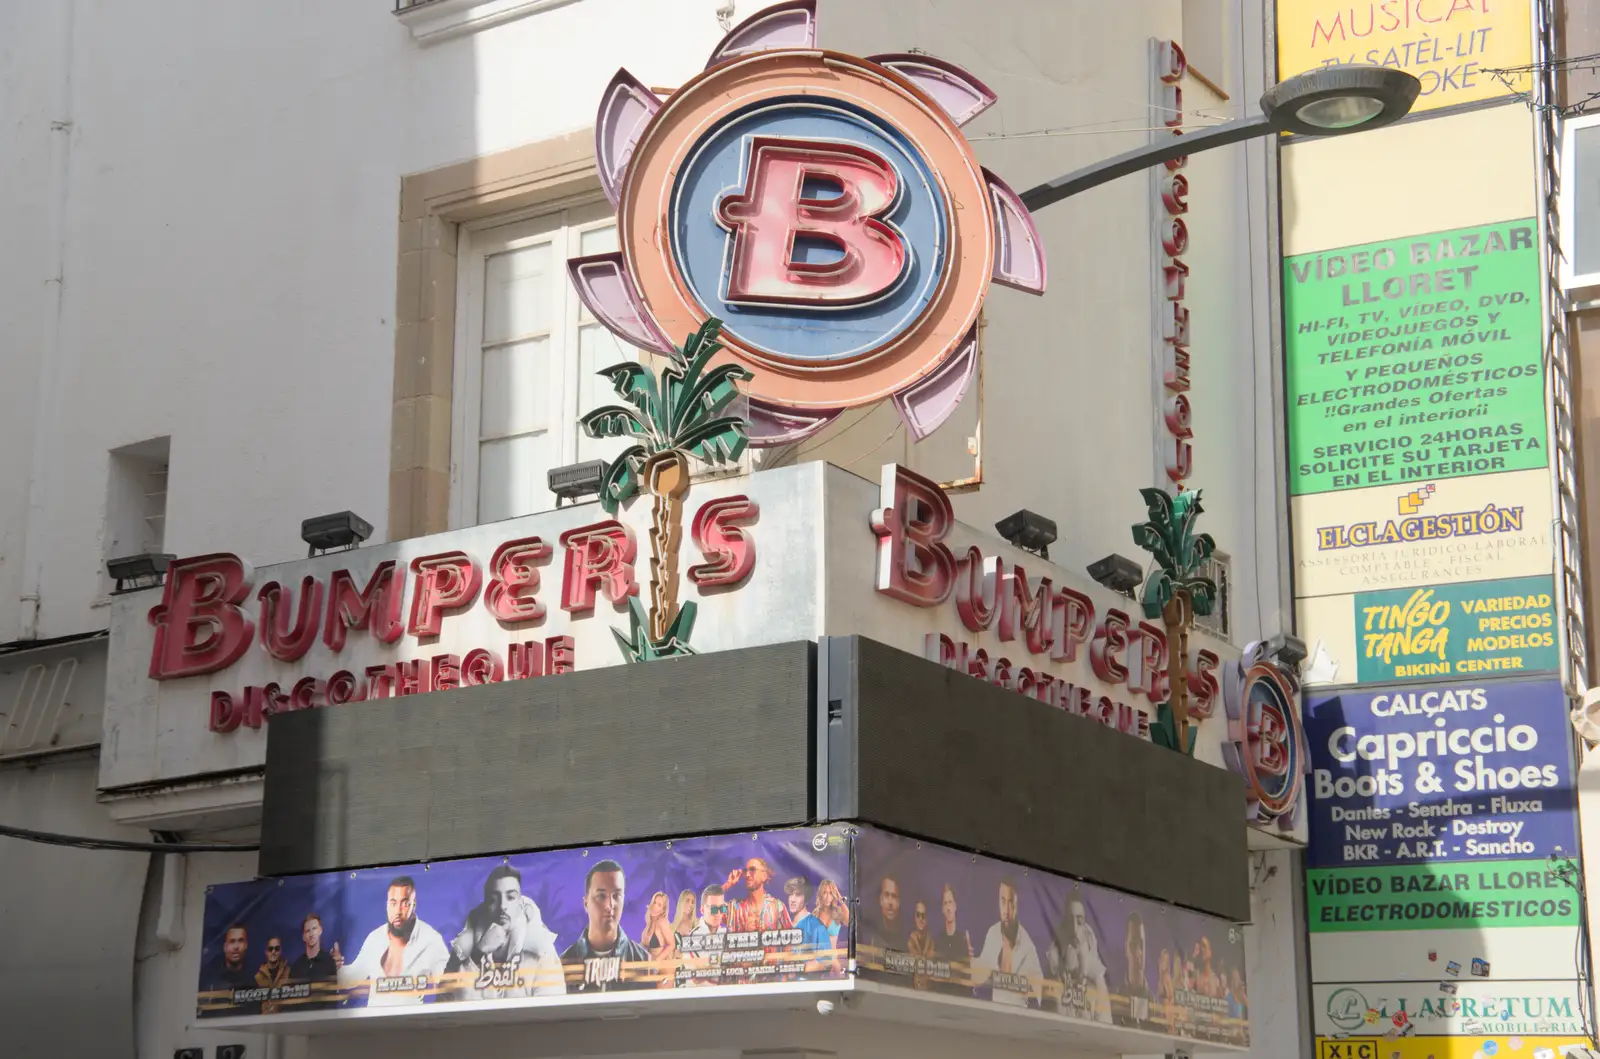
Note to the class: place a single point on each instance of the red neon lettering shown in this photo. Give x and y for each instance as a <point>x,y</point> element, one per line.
<point>1175,325</point>
<point>1176,274</point>
<point>308,693</point>
<point>1180,460</point>
<point>1175,196</point>
<point>1178,416</point>
<point>1175,240</point>
<point>277,638</point>
<point>1176,376</point>
<point>977,589</point>
<point>978,664</point>
<point>1269,742</point>
<point>1072,620</point>
<point>598,557</point>
<point>1029,612</point>
<point>200,627</point>
<point>344,686</point>
<point>411,677</point>
<point>719,535</point>
<point>558,655</point>
<point>771,214</point>
<point>381,681</point>
<point>445,672</point>
<point>481,667</point>
<point>914,565</point>
<point>446,583</point>
<point>1204,688</point>
<point>514,580</point>
<point>224,717</point>
<point>527,660</point>
<point>1151,678</point>
<point>1110,640</point>
<point>1171,63</point>
<point>1172,100</point>
<point>375,608</point>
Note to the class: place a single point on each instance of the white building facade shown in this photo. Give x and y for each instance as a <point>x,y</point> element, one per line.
<point>273,261</point>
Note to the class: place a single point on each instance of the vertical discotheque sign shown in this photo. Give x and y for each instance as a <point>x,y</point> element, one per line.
<point>1442,906</point>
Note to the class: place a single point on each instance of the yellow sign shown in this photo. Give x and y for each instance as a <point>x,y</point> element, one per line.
<point>1447,1048</point>
<point>1446,44</point>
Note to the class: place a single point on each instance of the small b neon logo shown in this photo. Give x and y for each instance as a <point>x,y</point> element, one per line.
<point>774,210</point>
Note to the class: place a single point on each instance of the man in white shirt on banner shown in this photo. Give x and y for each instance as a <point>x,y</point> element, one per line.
<point>403,959</point>
<point>1008,954</point>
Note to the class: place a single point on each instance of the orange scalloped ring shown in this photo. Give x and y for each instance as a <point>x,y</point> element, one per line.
<point>695,110</point>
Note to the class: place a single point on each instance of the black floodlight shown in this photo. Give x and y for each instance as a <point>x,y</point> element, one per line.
<point>133,572</point>
<point>1118,573</point>
<point>1029,531</point>
<point>576,480</point>
<point>332,533</point>
<point>1287,648</point>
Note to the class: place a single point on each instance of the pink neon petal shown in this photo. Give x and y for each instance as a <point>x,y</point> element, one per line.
<point>605,287</point>
<point>1019,259</point>
<point>772,425</point>
<point>961,95</point>
<point>925,405</point>
<point>788,25</point>
<point>626,107</point>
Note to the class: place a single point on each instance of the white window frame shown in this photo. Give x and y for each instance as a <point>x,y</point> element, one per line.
<point>1219,623</point>
<point>563,226</point>
<point>1569,135</point>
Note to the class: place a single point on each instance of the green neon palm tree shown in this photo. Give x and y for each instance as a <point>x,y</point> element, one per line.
<point>670,418</point>
<point>1175,592</point>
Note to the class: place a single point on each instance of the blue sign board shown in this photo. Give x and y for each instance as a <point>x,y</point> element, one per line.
<point>1440,772</point>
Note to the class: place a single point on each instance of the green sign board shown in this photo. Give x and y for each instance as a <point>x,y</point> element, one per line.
<point>1470,629</point>
<point>1415,359</point>
<point>1505,893</point>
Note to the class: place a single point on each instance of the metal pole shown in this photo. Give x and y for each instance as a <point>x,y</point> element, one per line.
<point>1142,158</point>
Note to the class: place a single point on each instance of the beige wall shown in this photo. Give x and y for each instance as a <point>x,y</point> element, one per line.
<point>1420,176</point>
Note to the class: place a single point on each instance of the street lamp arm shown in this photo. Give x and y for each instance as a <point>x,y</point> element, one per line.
<point>1140,158</point>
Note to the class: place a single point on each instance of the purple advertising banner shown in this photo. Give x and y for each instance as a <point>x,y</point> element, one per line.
<point>735,910</point>
<point>941,920</point>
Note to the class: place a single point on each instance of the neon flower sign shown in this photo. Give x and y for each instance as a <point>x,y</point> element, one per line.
<point>1266,739</point>
<point>825,208</point>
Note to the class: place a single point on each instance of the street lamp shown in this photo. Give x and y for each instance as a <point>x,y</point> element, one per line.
<point>1332,101</point>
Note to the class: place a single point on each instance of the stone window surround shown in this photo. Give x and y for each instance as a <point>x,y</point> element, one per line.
<point>433,205</point>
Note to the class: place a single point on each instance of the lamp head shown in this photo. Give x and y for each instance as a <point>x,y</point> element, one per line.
<point>1335,100</point>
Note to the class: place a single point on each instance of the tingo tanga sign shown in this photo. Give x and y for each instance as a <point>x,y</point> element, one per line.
<point>1448,45</point>
<point>1451,772</point>
<point>1415,359</point>
<point>1466,630</point>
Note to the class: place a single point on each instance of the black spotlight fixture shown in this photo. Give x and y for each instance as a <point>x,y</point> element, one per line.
<point>230,1051</point>
<point>188,1053</point>
<point>133,572</point>
<point>1287,648</point>
<point>576,480</point>
<point>334,533</point>
<point>1029,531</point>
<point>1118,573</point>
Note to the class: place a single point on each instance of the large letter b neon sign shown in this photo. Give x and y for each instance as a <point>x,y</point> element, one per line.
<point>771,212</point>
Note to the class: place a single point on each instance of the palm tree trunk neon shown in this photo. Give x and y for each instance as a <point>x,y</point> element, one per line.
<point>1176,615</point>
<point>667,477</point>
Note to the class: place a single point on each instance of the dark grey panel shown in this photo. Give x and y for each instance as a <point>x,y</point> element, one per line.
<point>949,758</point>
<point>717,742</point>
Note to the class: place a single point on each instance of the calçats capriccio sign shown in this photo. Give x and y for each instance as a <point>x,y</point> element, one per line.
<point>484,605</point>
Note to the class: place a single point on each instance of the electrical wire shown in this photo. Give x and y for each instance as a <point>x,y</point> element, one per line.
<point>51,838</point>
